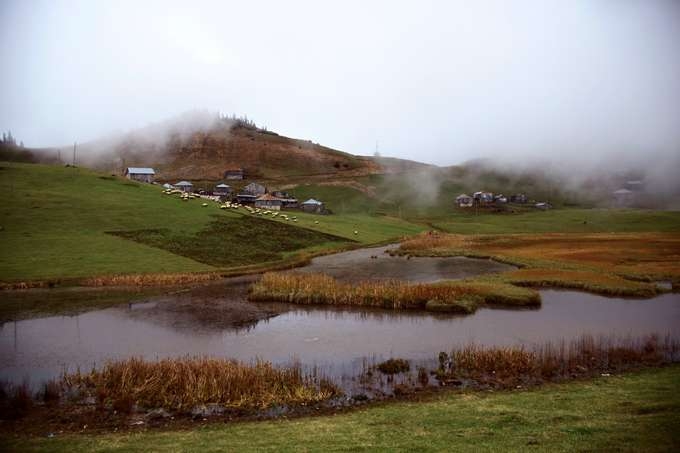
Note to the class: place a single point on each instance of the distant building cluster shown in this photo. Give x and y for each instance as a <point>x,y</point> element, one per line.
<point>252,194</point>
<point>489,199</point>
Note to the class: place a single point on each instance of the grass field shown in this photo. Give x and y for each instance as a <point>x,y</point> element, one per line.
<point>56,220</point>
<point>633,412</point>
<point>562,221</point>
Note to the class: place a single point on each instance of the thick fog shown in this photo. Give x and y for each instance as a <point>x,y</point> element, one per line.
<point>574,83</point>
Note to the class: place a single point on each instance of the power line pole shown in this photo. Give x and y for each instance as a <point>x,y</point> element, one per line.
<point>74,154</point>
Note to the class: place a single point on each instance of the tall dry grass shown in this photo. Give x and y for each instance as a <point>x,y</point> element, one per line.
<point>181,384</point>
<point>148,279</point>
<point>461,296</point>
<point>584,356</point>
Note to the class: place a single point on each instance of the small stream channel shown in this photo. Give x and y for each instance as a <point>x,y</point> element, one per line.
<point>339,341</point>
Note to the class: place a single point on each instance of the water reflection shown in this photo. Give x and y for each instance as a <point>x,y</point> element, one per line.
<point>338,340</point>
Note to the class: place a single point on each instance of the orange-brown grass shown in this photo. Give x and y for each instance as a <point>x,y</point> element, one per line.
<point>181,384</point>
<point>594,282</point>
<point>509,366</point>
<point>598,259</point>
<point>149,279</point>
<point>462,296</point>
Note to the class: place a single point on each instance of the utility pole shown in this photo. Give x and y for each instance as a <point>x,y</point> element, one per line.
<point>74,154</point>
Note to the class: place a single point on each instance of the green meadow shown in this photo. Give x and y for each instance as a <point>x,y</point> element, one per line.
<point>65,222</point>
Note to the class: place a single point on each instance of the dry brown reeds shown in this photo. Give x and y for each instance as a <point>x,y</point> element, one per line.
<point>149,279</point>
<point>181,384</point>
<point>509,366</point>
<point>458,296</point>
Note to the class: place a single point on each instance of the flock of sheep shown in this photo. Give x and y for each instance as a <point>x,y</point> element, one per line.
<point>186,196</point>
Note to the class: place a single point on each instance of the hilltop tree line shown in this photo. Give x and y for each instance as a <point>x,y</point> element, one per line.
<point>11,151</point>
<point>9,140</point>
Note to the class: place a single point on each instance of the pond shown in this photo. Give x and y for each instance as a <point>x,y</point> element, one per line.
<point>337,340</point>
<point>376,264</point>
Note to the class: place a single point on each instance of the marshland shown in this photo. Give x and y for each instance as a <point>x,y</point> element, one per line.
<point>236,226</point>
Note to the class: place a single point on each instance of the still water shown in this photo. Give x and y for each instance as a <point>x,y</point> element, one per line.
<point>337,340</point>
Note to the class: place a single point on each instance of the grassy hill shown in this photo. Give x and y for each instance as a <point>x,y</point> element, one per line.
<point>57,223</point>
<point>202,145</point>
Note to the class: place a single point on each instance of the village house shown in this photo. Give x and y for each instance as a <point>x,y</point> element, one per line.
<point>500,198</point>
<point>518,198</point>
<point>483,197</point>
<point>234,173</point>
<point>287,200</point>
<point>464,201</point>
<point>313,206</point>
<point>543,206</point>
<point>246,198</point>
<point>623,197</point>
<point>222,190</point>
<point>634,186</point>
<point>269,201</point>
<point>141,174</point>
<point>254,189</point>
<point>184,186</point>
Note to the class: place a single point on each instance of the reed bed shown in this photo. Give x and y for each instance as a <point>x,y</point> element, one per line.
<point>182,384</point>
<point>149,279</point>
<point>458,296</point>
<point>587,355</point>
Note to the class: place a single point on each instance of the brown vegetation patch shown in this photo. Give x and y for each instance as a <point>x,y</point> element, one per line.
<point>456,296</point>
<point>507,367</point>
<point>601,262</point>
<point>182,384</point>
<point>149,279</point>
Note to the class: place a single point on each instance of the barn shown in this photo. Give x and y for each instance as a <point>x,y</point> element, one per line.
<point>141,174</point>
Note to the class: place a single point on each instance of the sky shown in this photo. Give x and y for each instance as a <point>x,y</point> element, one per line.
<point>439,82</point>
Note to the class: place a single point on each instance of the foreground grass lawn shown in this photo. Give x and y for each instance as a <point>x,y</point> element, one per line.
<point>634,412</point>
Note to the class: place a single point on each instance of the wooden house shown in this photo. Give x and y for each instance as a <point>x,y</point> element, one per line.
<point>254,189</point>
<point>234,173</point>
<point>623,197</point>
<point>313,206</point>
<point>518,198</point>
<point>483,197</point>
<point>500,199</point>
<point>287,200</point>
<point>184,186</point>
<point>269,201</point>
<point>246,198</point>
<point>222,190</point>
<point>464,201</point>
<point>141,174</point>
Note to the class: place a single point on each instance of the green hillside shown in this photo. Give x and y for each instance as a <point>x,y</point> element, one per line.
<point>63,222</point>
